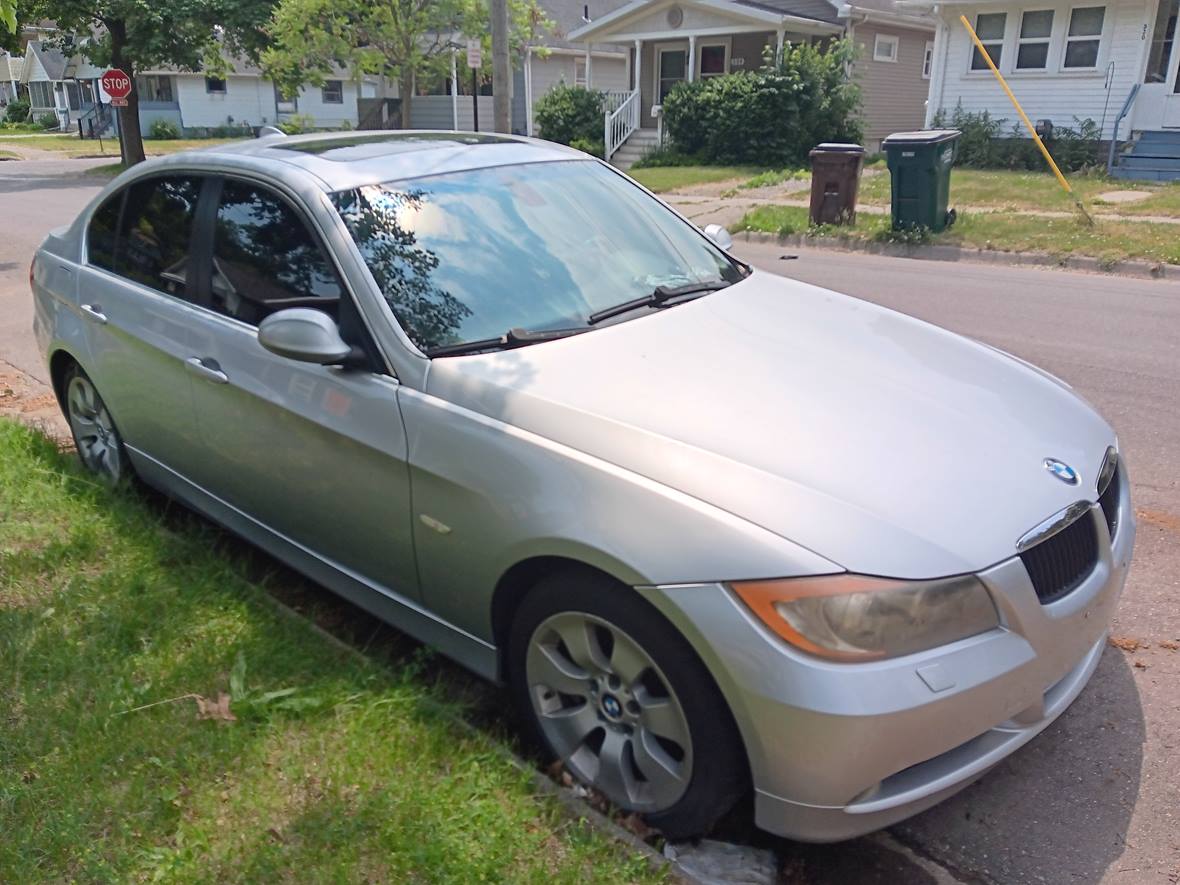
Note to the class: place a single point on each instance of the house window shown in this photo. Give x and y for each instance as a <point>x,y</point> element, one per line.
<point>927,60</point>
<point>87,91</point>
<point>990,28</point>
<point>1032,51</point>
<point>284,105</point>
<point>885,48</point>
<point>1084,37</point>
<point>713,60</point>
<point>40,95</point>
<point>580,71</point>
<point>215,85</point>
<point>333,92</point>
<point>72,96</point>
<point>152,87</point>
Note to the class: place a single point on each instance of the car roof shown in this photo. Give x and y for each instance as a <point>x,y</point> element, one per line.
<point>344,160</point>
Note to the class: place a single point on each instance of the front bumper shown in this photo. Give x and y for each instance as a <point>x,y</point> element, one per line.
<point>837,750</point>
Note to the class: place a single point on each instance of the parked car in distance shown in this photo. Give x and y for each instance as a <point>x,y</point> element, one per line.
<point>722,533</point>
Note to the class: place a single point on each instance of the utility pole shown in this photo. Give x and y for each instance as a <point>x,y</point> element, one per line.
<point>501,71</point>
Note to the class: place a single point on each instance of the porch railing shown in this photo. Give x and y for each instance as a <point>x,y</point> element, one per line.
<point>620,123</point>
<point>611,99</point>
<point>95,122</point>
<point>1114,135</point>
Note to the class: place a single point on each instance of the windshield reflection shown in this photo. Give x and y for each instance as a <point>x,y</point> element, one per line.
<point>468,255</point>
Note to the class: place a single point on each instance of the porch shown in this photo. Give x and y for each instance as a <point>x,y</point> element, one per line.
<point>668,43</point>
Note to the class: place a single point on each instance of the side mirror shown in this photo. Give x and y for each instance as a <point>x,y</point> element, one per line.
<point>719,235</point>
<point>303,334</point>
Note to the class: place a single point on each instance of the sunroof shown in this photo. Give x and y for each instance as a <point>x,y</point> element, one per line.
<point>349,148</point>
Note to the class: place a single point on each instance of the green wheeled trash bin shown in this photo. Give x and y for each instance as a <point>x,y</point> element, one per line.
<point>920,166</point>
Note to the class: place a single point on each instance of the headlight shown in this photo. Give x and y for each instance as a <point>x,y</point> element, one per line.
<point>855,618</point>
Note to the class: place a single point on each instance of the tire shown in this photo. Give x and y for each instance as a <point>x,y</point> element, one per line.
<point>605,683</point>
<point>96,438</point>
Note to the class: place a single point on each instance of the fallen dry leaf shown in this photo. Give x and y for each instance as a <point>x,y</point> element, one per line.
<point>1170,645</point>
<point>1140,665</point>
<point>219,709</point>
<point>1127,643</point>
<point>635,824</point>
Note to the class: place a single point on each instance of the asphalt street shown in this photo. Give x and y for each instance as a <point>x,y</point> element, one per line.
<point>1097,796</point>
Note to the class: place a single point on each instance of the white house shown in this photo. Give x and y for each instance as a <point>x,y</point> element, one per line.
<point>1066,62</point>
<point>10,68</point>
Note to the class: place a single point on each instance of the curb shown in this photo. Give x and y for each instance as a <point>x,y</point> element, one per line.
<point>1138,269</point>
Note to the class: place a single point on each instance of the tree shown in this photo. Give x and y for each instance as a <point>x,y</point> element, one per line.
<point>398,39</point>
<point>137,35</point>
<point>8,15</point>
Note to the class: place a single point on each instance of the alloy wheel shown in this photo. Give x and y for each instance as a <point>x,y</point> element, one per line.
<point>95,435</point>
<point>608,712</point>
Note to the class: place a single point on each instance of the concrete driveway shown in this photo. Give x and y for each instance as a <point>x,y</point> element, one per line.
<point>1097,796</point>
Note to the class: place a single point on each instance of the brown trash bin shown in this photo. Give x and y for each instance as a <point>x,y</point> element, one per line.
<point>835,177</point>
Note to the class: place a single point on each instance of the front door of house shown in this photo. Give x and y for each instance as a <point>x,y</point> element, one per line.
<point>1158,104</point>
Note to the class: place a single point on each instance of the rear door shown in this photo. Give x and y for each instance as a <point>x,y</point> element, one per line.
<point>317,453</point>
<point>135,293</point>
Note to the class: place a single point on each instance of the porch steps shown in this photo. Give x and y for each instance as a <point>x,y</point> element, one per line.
<point>1155,156</point>
<point>637,144</point>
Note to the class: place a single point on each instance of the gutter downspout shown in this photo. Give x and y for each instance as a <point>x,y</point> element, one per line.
<point>528,91</point>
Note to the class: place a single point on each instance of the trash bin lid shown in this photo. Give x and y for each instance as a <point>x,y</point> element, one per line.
<point>829,147</point>
<point>924,136</point>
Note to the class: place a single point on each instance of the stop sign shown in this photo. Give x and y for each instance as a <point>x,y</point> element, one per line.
<point>116,83</point>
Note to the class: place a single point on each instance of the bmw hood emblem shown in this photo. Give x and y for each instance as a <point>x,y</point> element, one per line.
<point>1062,471</point>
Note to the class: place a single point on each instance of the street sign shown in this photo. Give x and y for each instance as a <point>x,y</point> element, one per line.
<point>474,54</point>
<point>117,85</point>
<point>118,102</point>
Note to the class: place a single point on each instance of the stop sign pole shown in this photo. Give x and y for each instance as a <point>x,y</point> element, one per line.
<point>117,85</point>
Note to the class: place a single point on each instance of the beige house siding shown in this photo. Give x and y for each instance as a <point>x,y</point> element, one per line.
<point>607,73</point>
<point>893,94</point>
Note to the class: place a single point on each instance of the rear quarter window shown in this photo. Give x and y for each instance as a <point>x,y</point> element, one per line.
<point>101,234</point>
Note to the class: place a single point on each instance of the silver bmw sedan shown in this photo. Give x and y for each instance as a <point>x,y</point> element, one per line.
<point>721,533</point>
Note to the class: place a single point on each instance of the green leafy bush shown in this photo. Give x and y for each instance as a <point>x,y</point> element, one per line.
<point>666,156</point>
<point>985,145</point>
<point>566,113</point>
<point>163,130</point>
<point>17,112</point>
<point>589,145</point>
<point>48,121</point>
<point>771,116</point>
<point>298,123</point>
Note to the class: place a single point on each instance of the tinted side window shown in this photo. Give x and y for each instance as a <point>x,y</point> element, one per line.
<point>100,236</point>
<point>265,258</point>
<point>154,236</point>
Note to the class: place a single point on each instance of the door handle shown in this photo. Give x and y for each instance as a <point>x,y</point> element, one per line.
<point>94,313</point>
<point>210,371</point>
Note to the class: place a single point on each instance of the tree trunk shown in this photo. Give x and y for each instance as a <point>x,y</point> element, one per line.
<point>130,138</point>
<point>405,91</point>
<point>501,68</point>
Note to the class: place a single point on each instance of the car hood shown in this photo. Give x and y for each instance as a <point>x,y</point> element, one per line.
<point>880,442</point>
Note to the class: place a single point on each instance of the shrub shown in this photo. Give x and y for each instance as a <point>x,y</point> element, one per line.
<point>589,145</point>
<point>771,116</point>
<point>163,130</point>
<point>983,147</point>
<point>666,156</point>
<point>18,112</point>
<point>566,113</point>
<point>297,123</point>
<point>48,121</point>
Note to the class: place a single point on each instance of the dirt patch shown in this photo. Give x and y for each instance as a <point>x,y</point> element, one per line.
<point>1123,196</point>
<point>29,401</point>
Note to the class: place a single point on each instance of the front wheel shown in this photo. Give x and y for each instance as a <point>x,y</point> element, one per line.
<point>607,685</point>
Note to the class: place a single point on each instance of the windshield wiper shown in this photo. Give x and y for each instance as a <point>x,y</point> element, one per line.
<point>511,338</point>
<point>661,295</point>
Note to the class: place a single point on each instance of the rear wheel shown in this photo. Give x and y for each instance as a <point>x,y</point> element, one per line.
<point>607,685</point>
<point>97,439</point>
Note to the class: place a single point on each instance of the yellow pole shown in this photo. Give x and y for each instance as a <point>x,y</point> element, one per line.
<point>1028,123</point>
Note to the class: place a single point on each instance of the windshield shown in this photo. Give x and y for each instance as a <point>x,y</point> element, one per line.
<point>469,255</point>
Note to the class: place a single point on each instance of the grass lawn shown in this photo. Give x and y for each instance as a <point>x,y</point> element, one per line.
<point>72,146</point>
<point>1106,240</point>
<point>1002,189</point>
<point>667,178</point>
<point>335,768</point>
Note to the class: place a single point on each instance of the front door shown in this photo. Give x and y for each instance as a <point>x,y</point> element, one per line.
<point>316,453</point>
<point>1158,104</point>
<point>671,68</point>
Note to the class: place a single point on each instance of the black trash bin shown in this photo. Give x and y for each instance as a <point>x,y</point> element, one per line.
<point>835,178</point>
<point>920,166</point>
